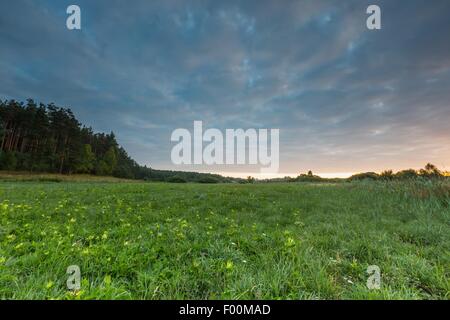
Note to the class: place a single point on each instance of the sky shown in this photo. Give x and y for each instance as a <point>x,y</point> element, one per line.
<point>345,99</point>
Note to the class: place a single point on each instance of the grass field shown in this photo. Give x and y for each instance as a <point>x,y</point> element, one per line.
<point>260,241</point>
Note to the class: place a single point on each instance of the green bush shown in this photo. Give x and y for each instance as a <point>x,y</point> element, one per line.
<point>176,179</point>
<point>365,176</point>
<point>207,179</point>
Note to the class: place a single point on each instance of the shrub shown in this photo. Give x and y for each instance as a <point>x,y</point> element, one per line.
<point>176,179</point>
<point>387,175</point>
<point>364,176</point>
<point>208,180</point>
<point>406,174</point>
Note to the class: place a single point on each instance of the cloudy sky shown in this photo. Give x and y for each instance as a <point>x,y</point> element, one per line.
<point>345,98</point>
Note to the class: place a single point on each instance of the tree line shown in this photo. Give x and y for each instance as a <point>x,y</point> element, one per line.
<point>47,138</point>
<point>430,171</point>
<point>39,137</point>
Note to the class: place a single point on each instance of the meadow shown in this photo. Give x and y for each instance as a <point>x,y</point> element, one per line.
<point>224,241</point>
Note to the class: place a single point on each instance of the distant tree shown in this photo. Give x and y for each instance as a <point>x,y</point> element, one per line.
<point>86,160</point>
<point>250,179</point>
<point>111,159</point>
<point>430,171</point>
<point>365,176</point>
<point>387,175</point>
<point>308,177</point>
<point>102,168</point>
<point>176,179</point>
<point>406,174</point>
<point>208,179</point>
<point>108,163</point>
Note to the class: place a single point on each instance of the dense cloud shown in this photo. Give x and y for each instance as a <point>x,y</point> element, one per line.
<point>345,98</point>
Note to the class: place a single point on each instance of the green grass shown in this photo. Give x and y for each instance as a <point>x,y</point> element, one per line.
<point>192,241</point>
